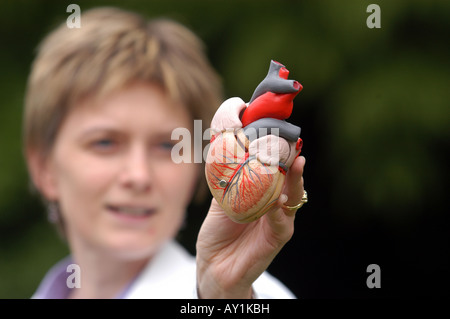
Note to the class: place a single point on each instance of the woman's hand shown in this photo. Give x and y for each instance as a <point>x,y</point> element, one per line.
<point>231,256</point>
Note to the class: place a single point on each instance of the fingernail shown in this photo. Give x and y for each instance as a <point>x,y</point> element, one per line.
<point>283,198</point>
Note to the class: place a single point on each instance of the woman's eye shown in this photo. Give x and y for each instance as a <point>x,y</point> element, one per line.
<point>104,144</point>
<point>167,145</point>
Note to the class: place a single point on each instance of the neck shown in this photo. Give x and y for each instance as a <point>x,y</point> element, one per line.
<point>103,275</point>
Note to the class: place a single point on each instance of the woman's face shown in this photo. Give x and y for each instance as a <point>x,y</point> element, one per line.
<point>112,174</point>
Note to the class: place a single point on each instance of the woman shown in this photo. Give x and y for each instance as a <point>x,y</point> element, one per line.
<point>101,104</point>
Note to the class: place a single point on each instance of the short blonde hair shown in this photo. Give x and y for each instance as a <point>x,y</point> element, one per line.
<point>113,48</point>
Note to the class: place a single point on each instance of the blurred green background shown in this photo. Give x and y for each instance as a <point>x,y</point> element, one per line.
<point>375,118</point>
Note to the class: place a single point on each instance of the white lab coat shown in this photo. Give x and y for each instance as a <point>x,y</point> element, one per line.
<point>171,274</point>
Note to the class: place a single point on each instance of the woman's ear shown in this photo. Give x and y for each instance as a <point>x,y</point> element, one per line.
<point>42,174</point>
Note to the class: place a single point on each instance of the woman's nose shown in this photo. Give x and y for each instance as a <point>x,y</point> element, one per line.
<point>137,171</point>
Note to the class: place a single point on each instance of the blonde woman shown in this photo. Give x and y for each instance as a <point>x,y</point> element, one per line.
<point>101,104</point>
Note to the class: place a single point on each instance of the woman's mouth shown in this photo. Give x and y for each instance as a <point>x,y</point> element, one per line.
<point>132,211</point>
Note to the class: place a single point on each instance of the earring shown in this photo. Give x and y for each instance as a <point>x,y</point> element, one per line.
<point>53,212</point>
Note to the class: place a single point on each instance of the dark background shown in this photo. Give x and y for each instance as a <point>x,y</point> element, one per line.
<point>375,122</point>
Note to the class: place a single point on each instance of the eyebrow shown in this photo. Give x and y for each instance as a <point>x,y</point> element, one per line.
<point>98,129</point>
<point>164,133</point>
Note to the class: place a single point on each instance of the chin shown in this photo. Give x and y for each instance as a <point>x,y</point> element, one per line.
<point>133,247</point>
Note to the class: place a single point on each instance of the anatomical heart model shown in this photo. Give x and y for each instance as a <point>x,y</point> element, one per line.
<point>252,147</point>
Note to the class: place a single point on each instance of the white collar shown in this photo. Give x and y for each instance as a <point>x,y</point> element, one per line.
<point>171,274</point>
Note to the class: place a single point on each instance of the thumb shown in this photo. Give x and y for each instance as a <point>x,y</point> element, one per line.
<point>215,207</point>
